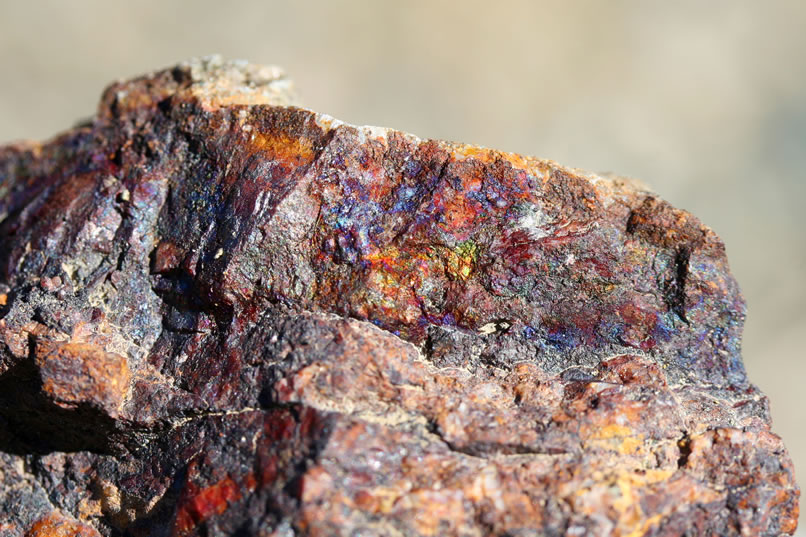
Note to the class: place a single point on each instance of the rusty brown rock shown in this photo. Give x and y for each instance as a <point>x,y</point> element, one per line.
<point>74,374</point>
<point>222,314</point>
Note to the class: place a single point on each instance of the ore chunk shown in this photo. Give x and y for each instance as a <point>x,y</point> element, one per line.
<point>222,314</point>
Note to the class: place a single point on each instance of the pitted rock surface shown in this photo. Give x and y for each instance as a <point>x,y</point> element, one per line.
<point>221,314</point>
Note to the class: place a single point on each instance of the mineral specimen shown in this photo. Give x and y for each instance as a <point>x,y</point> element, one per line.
<point>222,314</point>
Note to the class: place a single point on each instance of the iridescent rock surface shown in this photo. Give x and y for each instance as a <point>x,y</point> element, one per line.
<point>222,314</point>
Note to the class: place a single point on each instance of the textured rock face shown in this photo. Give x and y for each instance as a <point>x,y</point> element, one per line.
<point>220,314</point>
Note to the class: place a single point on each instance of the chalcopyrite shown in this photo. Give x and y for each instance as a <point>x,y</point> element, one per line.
<point>221,314</point>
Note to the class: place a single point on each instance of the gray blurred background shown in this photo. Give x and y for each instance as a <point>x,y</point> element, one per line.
<point>704,101</point>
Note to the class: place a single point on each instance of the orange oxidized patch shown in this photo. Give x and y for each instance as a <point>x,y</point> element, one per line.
<point>280,146</point>
<point>55,524</point>
<point>73,374</point>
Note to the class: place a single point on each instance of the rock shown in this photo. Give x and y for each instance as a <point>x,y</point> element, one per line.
<point>75,374</point>
<point>223,314</point>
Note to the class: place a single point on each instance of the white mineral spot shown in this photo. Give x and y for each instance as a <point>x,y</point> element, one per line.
<point>534,222</point>
<point>327,122</point>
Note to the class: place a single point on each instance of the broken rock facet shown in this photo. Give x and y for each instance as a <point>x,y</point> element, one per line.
<point>220,313</point>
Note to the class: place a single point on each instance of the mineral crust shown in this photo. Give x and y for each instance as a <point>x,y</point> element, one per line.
<point>221,314</point>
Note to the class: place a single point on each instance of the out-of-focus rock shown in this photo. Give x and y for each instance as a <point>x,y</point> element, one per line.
<point>222,314</point>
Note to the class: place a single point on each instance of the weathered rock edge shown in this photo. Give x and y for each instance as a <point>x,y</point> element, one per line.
<point>222,314</point>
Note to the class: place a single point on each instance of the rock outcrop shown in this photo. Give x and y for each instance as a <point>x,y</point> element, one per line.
<point>223,314</point>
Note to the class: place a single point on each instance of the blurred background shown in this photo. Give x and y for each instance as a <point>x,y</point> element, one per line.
<point>703,101</point>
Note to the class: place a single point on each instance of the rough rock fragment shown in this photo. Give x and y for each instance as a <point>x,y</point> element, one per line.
<point>75,374</point>
<point>222,314</point>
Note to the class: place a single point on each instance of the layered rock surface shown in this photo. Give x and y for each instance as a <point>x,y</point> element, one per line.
<point>222,314</point>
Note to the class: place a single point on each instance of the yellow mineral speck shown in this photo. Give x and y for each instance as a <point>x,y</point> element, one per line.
<point>631,444</point>
<point>648,523</point>
<point>612,431</point>
<point>109,496</point>
<point>464,151</point>
<point>460,260</point>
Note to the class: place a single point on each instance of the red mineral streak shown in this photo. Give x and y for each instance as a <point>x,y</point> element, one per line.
<point>200,504</point>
